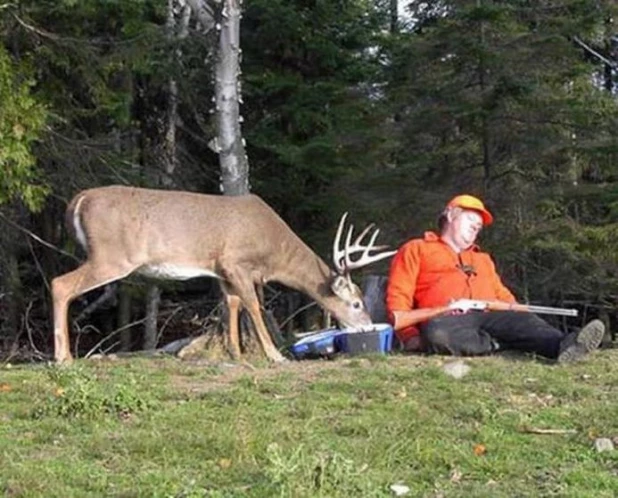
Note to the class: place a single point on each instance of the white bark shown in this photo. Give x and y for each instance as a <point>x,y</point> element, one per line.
<point>232,156</point>
<point>228,143</point>
<point>203,12</point>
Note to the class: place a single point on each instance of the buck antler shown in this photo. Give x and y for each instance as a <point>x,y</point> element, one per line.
<point>341,257</point>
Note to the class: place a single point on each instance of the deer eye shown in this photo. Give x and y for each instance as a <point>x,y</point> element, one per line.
<point>356,305</point>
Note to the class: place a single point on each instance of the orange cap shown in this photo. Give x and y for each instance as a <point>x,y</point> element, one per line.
<point>471,202</point>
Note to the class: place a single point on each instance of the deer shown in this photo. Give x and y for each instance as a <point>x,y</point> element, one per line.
<point>239,240</point>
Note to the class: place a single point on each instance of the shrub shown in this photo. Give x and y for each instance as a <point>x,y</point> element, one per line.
<point>78,393</point>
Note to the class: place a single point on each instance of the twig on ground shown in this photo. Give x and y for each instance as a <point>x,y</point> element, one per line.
<point>249,366</point>
<point>78,334</point>
<point>167,321</point>
<point>111,334</point>
<point>537,430</point>
<point>105,351</point>
<point>40,354</point>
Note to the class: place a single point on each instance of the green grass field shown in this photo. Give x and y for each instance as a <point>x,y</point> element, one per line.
<point>162,427</point>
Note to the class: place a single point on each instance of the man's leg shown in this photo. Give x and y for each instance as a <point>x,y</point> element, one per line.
<point>522,331</point>
<point>485,332</point>
<point>459,335</point>
<point>578,344</point>
<point>529,333</point>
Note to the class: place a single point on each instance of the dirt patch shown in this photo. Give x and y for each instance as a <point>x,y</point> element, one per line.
<point>202,376</point>
<point>224,374</point>
<point>213,370</point>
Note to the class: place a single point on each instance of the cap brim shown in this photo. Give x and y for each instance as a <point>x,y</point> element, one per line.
<point>488,218</point>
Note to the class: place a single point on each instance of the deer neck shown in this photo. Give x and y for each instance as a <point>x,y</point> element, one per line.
<point>305,271</point>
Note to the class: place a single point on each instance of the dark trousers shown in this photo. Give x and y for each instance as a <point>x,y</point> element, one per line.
<point>478,333</point>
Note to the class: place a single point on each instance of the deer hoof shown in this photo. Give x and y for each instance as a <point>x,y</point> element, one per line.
<point>64,359</point>
<point>278,358</point>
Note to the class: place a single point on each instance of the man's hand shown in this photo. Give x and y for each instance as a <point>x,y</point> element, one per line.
<point>465,305</point>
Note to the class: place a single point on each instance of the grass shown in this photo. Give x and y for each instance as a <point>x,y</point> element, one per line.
<point>161,427</point>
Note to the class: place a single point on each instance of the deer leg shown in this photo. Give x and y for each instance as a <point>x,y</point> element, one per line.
<point>263,335</point>
<point>233,305</point>
<point>245,289</point>
<point>67,287</point>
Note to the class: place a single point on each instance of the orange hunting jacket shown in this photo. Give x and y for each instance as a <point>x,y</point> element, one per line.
<point>427,273</point>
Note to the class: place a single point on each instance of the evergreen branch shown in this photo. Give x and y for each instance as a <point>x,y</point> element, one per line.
<point>34,29</point>
<point>69,39</point>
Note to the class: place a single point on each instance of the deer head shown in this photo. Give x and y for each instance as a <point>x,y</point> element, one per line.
<point>351,310</point>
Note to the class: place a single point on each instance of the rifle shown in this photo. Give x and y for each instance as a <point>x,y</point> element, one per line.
<point>474,304</point>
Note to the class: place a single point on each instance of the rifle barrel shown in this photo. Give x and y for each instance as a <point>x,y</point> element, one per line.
<point>548,310</point>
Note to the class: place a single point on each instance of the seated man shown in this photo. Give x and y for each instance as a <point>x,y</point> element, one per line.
<point>431,278</point>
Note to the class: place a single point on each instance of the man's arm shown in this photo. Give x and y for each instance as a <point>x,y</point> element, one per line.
<point>400,291</point>
<point>404,319</point>
<point>502,292</point>
<point>402,277</point>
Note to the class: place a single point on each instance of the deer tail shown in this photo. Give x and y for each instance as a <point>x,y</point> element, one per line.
<point>73,221</point>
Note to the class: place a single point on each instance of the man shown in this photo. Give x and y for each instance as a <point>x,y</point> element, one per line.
<point>432,279</point>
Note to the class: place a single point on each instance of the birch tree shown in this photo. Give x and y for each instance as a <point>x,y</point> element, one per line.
<point>224,16</point>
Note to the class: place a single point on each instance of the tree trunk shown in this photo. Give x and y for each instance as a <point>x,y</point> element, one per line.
<point>153,298</point>
<point>610,50</point>
<point>178,15</point>
<point>394,16</point>
<point>485,133</point>
<point>177,26</point>
<point>14,299</point>
<point>124,317</point>
<point>229,142</point>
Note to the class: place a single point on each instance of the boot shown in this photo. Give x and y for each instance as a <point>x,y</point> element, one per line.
<point>576,345</point>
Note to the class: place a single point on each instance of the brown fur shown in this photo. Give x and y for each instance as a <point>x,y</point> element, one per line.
<point>240,239</point>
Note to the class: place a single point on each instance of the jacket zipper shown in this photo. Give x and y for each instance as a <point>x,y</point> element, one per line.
<point>468,275</point>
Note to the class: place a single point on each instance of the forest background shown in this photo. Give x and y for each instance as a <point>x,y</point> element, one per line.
<point>371,107</point>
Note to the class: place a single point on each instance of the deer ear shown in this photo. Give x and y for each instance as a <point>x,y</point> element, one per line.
<point>340,285</point>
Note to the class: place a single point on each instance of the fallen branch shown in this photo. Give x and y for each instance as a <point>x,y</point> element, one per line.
<point>111,334</point>
<point>109,292</point>
<point>298,311</point>
<point>537,430</point>
<point>37,352</point>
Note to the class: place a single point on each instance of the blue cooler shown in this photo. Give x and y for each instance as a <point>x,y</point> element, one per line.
<point>319,345</point>
<point>378,339</point>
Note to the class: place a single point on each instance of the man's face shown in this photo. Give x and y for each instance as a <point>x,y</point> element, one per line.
<point>465,226</point>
